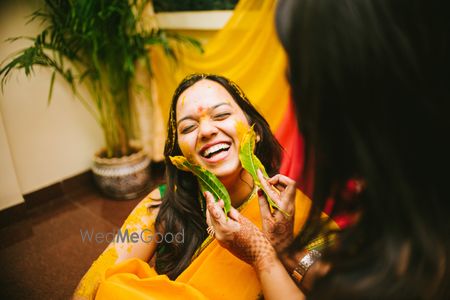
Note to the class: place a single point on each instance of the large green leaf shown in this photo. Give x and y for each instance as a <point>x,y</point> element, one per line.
<point>251,163</point>
<point>207,180</point>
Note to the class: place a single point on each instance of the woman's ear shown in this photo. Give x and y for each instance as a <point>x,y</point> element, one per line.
<point>258,137</point>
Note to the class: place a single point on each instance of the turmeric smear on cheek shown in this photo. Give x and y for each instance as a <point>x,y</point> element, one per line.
<point>241,129</point>
<point>185,149</point>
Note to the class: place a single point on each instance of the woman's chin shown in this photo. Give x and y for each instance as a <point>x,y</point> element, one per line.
<point>226,167</point>
<point>228,173</point>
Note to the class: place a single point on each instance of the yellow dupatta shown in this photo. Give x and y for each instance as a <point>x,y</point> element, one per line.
<point>214,274</point>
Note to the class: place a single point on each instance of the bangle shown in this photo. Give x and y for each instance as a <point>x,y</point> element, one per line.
<point>304,264</point>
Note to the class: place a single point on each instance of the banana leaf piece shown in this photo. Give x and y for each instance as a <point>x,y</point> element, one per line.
<point>251,163</point>
<point>207,180</point>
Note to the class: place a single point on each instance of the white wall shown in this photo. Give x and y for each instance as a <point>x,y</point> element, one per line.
<point>201,25</point>
<point>46,143</point>
<point>199,20</point>
<point>10,193</point>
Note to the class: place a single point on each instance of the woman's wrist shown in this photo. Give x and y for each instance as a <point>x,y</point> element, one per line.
<point>304,264</point>
<point>265,259</point>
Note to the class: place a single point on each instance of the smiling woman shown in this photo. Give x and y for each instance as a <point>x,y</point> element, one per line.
<point>204,114</point>
<point>207,116</point>
<point>207,123</point>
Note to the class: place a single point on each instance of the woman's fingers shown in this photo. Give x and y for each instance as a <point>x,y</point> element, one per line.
<point>290,184</point>
<point>235,219</point>
<point>223,227</point>
<point>263,206</point>
<point>268,189</point>
<point>208,218</point>
<point>216,213</point>
<point>281,182</point>
<point>234,214</point>
<point>285,185</point>
<point>217,218</point>
<point>285,190</point>
<point>220,203</point>
<point>275,181</point>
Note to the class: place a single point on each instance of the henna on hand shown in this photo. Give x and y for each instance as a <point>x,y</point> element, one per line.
<point>279,232</point>
<point>240,236</point>
<point>278,226</point>
<point>251,245</point>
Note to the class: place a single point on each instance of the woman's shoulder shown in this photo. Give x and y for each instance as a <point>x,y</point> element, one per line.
<point>155,194</point>
<point>153,199</point>
<point>148,208</point>
<point>158,193</point>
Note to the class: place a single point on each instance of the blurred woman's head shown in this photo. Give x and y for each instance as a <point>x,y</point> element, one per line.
<point>371,85</point>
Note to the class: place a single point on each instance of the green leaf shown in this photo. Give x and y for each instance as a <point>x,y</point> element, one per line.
<point>50,92</point>
<point>207,180</point>
<point>251,163</point>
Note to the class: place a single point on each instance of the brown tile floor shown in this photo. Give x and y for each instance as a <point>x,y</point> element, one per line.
<point>43,255</point>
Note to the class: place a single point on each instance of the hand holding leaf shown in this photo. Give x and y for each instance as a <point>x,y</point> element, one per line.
<point>251,163</point>
<point>207,180</point>
<point>278,225</point>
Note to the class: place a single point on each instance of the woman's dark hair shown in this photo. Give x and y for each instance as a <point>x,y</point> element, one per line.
<point>180,210</point>
<point>371,81</point>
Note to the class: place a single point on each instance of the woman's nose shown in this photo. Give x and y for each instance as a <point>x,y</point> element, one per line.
<point>207,130</point>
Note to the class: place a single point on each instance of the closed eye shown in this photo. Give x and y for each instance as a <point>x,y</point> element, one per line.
<point>188,129</point>
<point>221,116</point>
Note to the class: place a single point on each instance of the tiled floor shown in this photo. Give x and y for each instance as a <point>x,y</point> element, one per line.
<point>43,255</point>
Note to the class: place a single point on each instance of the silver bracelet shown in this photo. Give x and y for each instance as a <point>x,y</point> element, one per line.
<point>304,264</point>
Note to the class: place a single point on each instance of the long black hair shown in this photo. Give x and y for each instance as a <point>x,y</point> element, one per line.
<point>371,79</point>
<point>180,211</point>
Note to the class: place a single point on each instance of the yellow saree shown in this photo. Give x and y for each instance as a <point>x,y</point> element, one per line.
<point>214,274</point>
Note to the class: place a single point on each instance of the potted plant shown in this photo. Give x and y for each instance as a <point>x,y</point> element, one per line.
<point>97,44</point>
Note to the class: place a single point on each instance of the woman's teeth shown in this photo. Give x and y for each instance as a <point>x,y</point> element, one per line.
<point>215,149</point>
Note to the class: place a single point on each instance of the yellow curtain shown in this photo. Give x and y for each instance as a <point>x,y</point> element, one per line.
<point>246,50</point>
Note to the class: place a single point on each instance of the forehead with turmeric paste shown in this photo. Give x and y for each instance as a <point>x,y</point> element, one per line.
<point>201,97</point>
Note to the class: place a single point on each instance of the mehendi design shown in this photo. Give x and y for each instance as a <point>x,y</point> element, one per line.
<point>279,233</point>
<point>251,245</point>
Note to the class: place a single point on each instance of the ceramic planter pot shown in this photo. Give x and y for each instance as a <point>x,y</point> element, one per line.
<point>126,177</point>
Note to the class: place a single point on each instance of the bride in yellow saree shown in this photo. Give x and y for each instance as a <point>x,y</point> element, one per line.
<point>203,122</point>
